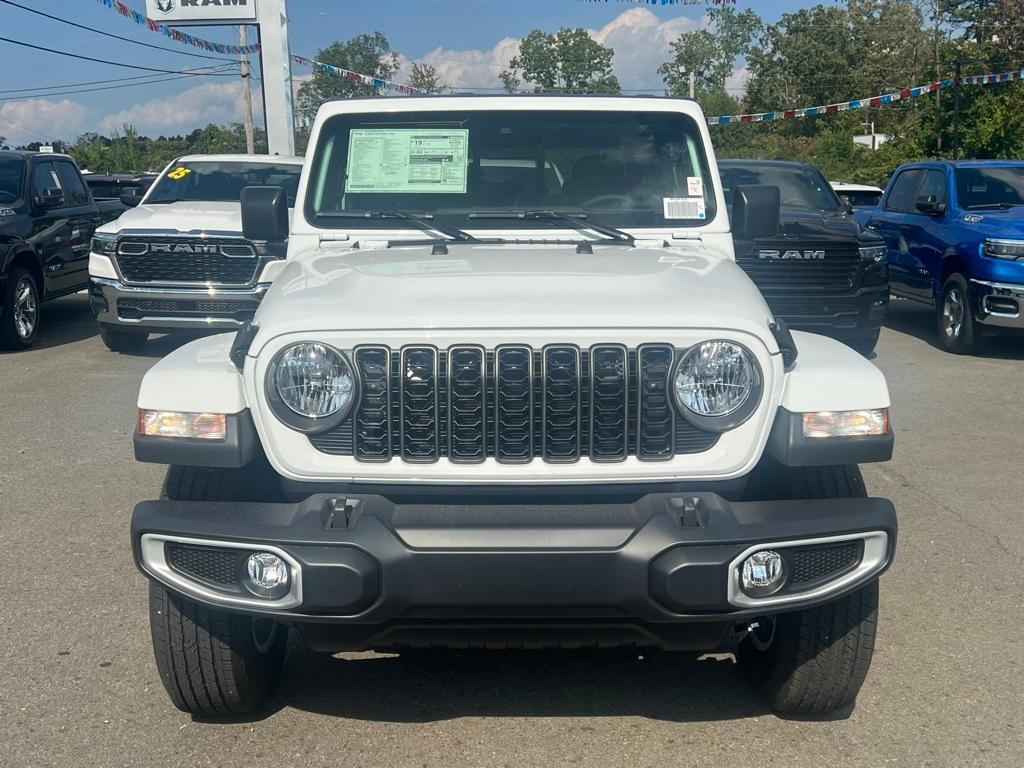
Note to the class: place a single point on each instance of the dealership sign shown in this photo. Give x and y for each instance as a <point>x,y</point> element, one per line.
<point>201,11</point>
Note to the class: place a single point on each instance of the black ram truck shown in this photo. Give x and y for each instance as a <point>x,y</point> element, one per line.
<point>822,271</point>
<point>47,217</point>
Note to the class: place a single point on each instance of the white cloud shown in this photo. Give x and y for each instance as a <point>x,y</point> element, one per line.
<point>23,122</point>
<point>736,83</point>
<point>196,107</point>
<point>640,39</point>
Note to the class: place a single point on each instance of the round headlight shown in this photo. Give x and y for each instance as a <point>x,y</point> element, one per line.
<point>311,386</point>
<point>717,384</point>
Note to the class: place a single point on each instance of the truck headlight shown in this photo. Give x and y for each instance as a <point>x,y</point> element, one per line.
<point>1003,249</point>
<point>874,253</point>
<point>311,386</point>
<point>104,244</point>
<point>717,385</point>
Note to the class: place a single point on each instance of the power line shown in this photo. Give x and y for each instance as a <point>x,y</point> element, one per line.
<point>110,34</point>
<point>95,82</point>
<point>112,87</point>
<point>90,58</point>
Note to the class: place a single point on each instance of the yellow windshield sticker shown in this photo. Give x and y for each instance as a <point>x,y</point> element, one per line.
<point>179,173</point>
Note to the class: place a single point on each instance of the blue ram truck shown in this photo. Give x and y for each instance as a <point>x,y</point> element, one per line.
<point>955,233</point>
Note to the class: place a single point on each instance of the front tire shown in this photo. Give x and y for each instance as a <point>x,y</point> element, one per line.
<point>122,341</point>
<point>814,661</point>
<point>213,663</point>
<point>955,320</point>
<point>19,310</point>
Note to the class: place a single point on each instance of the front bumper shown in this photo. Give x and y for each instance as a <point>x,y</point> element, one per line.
<point>861,310</point>
<point>998,305</point>
<point>134,308</point>
<point>367,572</point>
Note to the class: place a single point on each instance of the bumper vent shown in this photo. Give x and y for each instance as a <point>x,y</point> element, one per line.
<point>217,567</point>
<point>515,404</point>
<point>815,564</point>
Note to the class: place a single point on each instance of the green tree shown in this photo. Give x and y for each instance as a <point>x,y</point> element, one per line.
<point>710,53</point>
<point>425,78</point>
<point>367,54</point>
<point>569,61</point>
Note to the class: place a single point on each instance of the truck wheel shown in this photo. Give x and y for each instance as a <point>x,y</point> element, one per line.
<point>122,341</point>
<point>814,661</point>
<point>19,310</point>
<point>213,663</point>
<point>862,341</point>
<point>957,333</point>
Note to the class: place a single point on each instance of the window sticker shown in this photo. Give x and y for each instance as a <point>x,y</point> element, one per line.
<point>403,160</point>
<point>179,173</point>
<point>694,186</point>
<point>684,208</point>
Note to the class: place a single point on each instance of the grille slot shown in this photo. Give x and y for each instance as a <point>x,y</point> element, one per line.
<point>515,404</point>
<point>212,565</point>
<point>418,385</point>
<point>819,563</point>
<point>234,263</point>
<point>656,418</point>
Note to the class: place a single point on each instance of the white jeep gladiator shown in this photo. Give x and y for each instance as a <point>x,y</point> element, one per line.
<point>178,260</point>
<point>512,390</point>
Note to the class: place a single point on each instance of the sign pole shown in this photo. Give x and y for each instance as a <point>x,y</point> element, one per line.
<point>276,61</point>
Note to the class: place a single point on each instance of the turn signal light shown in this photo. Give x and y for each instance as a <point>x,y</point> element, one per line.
<point>199,426</point>
<point>846,423</point>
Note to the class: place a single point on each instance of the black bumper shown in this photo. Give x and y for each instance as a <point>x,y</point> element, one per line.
<point>827,312</point>
<point>374,573</point>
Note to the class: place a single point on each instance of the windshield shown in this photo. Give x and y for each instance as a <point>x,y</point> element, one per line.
<point>993,187</point>
<point>861,199</point>
<point>222,182</point>
<point>799,186</point>
<point>613,168</point>
<point>11,171</point>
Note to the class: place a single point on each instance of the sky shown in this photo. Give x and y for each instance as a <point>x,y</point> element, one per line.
<point>469,41</point>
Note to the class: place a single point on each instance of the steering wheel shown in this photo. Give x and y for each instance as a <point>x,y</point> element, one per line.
<point>10,198</point>
<point>625,201</point>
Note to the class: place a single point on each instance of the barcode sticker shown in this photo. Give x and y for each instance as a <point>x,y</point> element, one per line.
<point>684,207</point>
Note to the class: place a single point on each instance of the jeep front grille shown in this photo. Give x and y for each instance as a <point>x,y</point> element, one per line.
<point>515,404</point>
<point>233,263</point>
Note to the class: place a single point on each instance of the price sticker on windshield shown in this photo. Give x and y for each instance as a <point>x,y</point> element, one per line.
<point>684,208</point>
<point>179,173</point>
<point>404,160</point>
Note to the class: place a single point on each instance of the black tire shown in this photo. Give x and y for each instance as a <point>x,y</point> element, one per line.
<point>213,663</point>
<point>20,310</point>
<point>862,341</point>
<point>960,338</point>
<point>813,661</point>
<point>123,341</point>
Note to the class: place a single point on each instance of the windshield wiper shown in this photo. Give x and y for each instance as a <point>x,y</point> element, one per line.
<point>419,219</point>
<point>1000,206</point>
<point>575,220</point>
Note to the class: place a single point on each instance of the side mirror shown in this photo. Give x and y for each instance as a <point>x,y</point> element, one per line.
<point>930,206</point>
<point>755,212</point>
<point>264,214</point>
<point>132,196</point>
<point>51,197</point>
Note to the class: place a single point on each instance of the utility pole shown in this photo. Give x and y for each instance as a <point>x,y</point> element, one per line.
<point>693,84</point>
<point>956,108</point>
<point>250,138</point>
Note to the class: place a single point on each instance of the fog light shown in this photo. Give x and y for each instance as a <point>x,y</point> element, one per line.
<point>763,573</point>
<point>268,574</point>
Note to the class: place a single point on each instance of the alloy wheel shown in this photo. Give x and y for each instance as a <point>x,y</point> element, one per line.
<point>26,308</point>
<point>953,313</point>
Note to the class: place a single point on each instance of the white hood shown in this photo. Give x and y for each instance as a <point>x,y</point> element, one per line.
<point>184,217</point>
<point>511,287</point>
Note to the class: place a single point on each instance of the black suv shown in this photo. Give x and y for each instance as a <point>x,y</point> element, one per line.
<point>47,217</point>
<point>822,271</point>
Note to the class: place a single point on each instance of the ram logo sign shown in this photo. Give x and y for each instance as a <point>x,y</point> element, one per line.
<point>183,248</point>
<point>200,11</point>
<point>791,255</point>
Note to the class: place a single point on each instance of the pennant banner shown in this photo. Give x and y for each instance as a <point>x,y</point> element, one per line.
<point>874,101</point>
<point>668,2</point>
<point>236,50</point>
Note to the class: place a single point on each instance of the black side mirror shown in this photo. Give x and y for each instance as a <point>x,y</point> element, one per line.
<point>51,197</point>
<point>930,206</point>
<point>264,215</point>
<point>132,196</point>
<point>755,212</point>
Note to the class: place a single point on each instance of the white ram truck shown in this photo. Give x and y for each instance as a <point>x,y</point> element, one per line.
<point>178,260</point>
<point>512,390</point>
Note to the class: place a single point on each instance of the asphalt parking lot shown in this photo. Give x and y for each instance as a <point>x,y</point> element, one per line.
<point>79,686</point>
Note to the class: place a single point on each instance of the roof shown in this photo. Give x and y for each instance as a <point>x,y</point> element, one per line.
<point>969,163</point>
<point>738,162</point>
<point>541,95</point>
<point>26,154</point>
<point>285,159</point>
<point>846,186</point>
